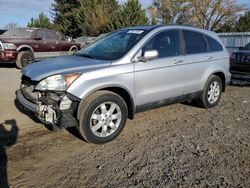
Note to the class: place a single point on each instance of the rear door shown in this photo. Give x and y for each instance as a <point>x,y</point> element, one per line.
<point>38,44</point>
<point>52,44</point>
<point>161,78</point>
<point>198,59</point>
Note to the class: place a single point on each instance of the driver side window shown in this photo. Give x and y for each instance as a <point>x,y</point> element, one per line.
<point>39,35</point>
<point>166,43</point>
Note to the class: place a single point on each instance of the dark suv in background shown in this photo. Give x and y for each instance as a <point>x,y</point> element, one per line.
<point>240,66</point>
<point>25,45</point>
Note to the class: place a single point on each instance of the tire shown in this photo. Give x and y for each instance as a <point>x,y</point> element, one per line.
<point>95,124</point>
<point>212,92</point>
<point>24,58</point>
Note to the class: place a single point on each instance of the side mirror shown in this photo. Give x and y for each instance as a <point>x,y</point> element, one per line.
<point>148,55</point>
<point>38,38</point>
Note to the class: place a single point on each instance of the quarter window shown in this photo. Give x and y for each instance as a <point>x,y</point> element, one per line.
<point>214,45</point>
<point>166,43</point>
<point>194,42</point>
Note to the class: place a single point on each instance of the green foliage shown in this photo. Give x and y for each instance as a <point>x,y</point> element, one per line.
<point>227,27</point>
<point>171,11</point>
<point>93,15</point>
<point>41,22</point>
<point>243,25</point>
<point>64,13</point>
<point>130,14</point>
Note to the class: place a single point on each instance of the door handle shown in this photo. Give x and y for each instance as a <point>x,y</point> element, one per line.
<point>177,61</point>
<point>209,57</point>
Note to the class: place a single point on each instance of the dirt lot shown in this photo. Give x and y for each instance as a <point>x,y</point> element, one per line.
<point>178,145</point>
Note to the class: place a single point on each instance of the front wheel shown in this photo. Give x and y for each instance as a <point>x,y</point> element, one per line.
<point>212,92</point>
<point>103,116</point>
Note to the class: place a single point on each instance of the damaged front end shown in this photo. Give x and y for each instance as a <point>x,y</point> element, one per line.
<point>50,107</point>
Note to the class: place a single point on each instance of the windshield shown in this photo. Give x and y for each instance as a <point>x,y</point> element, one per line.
<point>247,47</point>
<point>18,33</point>
<point>113,46</point>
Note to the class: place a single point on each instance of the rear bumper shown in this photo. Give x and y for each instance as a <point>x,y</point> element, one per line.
<point>240,77</point>
<point>8,56</point>
<point>240,67</point>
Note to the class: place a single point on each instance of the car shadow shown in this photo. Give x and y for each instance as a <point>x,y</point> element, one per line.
<point>7,65</point>
<point>193,103</point>
<point>74,132</point>
<point>8,137</point>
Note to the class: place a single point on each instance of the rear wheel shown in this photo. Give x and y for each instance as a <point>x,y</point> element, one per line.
<point>103,116</point>
<point>212,92</point>
<point>24,58</point>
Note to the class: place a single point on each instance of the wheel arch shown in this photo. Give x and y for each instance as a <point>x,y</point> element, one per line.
<point>73,47</point>
<point>119,90</point>
<point>25,48</point>
<point>221,75</point>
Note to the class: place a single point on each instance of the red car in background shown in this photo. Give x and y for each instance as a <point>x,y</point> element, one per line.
<point>25,45</point>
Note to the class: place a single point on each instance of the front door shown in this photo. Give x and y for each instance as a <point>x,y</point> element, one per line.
<point>160,80</point>
<point>38,44</point>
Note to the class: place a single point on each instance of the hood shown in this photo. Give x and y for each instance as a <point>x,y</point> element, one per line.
<point>62,65</point>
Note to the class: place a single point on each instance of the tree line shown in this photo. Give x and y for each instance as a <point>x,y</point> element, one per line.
<point>93,17</point>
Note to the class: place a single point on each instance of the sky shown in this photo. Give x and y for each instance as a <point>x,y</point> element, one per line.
<point>21,11</point>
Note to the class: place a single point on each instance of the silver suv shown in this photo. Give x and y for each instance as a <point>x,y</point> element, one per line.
<point>126,72</point>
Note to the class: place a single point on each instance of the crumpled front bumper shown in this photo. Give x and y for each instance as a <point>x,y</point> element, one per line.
<point>26,103</point>
<point>61,115</point>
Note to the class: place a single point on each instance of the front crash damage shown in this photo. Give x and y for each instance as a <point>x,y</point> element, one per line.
<point>50,107</point>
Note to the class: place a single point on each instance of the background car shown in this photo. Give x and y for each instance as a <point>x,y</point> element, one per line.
<point>240,65</point>
<point>25,45</point>
<point>85,40</point>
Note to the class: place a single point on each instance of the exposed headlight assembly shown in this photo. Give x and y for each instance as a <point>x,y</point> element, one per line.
<point>57,82</point>
<point>9,46</point>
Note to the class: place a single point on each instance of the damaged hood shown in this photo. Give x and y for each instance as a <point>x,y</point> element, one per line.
<point>62,65</point>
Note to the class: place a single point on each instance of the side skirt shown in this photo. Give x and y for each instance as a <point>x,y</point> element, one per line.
<point>173,100</point>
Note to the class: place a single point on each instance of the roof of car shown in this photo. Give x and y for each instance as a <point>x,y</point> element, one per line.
<point>151,27</point>
<point>143,27</point>
<point>32,28</point>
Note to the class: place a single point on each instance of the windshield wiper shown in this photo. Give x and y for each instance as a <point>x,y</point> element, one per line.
<point>84,55</point>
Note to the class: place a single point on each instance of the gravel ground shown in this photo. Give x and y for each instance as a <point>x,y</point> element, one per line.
<point>175,146</point>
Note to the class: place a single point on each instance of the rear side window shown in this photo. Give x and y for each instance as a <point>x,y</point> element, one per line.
<point>50,35</point>
<point>166,43</point>
<point>213,44</point>
<point>195,42</point>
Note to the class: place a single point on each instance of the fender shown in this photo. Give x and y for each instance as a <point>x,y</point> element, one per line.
<point>25,46</point>
<point>103,88</point>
